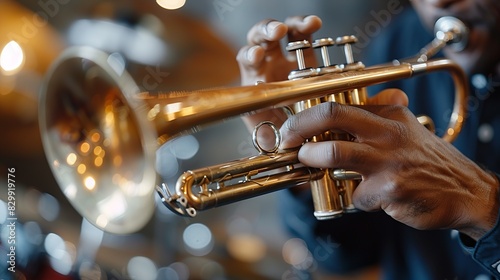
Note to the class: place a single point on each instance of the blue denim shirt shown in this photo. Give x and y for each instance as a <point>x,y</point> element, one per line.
<point>363,239</point>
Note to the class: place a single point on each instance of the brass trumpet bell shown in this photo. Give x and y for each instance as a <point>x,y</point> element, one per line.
<point>96,141</point>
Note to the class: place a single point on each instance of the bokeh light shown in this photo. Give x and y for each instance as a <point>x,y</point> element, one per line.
<point>247,247</point>
<point>184,147</point>
<point>61,254</point>
<point>48,207</point>
<point>141,268</point>
<point>171,4</point>
<point>198,239</point>
<point>11,58</point>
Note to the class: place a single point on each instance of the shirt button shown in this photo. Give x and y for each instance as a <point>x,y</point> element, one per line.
<point>485,133</point>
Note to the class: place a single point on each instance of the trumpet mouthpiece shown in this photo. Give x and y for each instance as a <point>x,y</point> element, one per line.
<point>452,31</point>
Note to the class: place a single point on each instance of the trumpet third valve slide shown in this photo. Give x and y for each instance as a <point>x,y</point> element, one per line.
<point>100,132</point>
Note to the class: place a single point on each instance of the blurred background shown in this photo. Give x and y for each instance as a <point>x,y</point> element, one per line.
<point>191,47</point>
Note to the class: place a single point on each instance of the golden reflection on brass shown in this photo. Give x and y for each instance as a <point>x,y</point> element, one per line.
<point>98,150</point>
<point>117,160</point>
<point>89,183</point>
<point>98,161</point>
<point>154,112</point>
<point>85,147</point>
<point>110,119</point>
<point>71,158</point>
<point>95,137</point>
<point>81,168</point>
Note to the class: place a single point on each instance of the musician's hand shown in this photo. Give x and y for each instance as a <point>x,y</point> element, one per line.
<point>263,58</point>
<point>411,174</point>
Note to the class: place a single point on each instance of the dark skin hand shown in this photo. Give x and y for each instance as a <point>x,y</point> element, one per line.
<point>411,174</point>
<point>263,60</point>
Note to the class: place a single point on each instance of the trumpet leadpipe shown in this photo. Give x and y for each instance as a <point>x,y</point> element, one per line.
<point>178,112</point>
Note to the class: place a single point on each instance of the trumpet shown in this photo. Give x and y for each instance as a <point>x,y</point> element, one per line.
<point>100,132</point>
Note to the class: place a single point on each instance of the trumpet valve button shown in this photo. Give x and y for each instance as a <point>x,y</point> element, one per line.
<point>323,45</point>
<point>348,39</point>
<point>298,47</point>
<point>323,42</point>
<point>346,42</point>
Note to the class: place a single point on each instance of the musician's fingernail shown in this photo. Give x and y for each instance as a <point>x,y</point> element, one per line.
<point>308,18</point>
<point>311,20</point>
<point>271,26</point>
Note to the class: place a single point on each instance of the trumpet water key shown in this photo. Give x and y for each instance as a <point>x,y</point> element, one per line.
<point>100,132</point>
